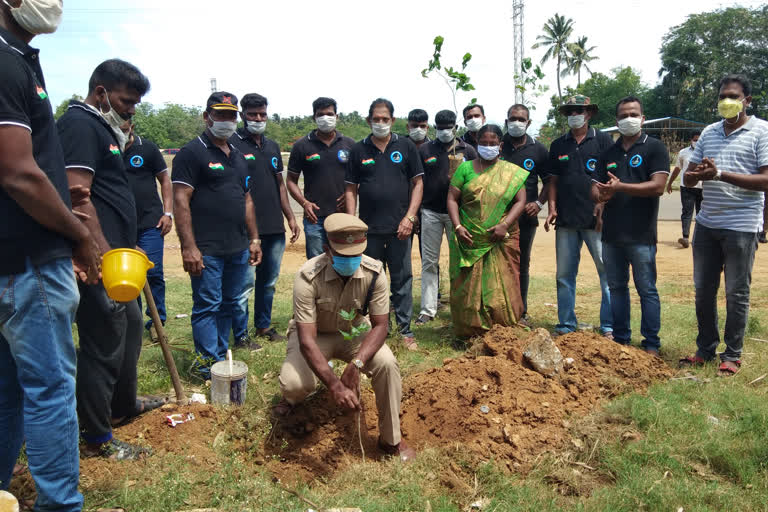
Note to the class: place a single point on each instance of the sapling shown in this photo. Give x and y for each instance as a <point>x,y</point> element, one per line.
<point>354,332</point>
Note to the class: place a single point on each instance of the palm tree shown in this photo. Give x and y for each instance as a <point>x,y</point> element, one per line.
<point>557,30</point>
<point>578,56</point>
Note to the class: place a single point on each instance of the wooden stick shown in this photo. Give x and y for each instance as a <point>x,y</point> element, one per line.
<point>158,325</point>
<point>759,379</point>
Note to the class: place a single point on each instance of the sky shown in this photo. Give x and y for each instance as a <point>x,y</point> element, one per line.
<point>293,51</point>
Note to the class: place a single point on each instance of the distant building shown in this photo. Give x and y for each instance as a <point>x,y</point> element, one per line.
<point>673,131</point>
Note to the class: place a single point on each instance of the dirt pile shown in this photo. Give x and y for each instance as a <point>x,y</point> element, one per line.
<point>497,407</point>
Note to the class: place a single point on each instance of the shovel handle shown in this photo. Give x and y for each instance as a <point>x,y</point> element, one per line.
<point>169,362</point>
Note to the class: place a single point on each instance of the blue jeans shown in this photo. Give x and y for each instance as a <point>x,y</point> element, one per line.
<point>396,256</point>
<point>37,381</point>
<point>215,296</point>
<point>151,242</point>
<point>642,258</point>
<point>315,237</point>
<point>568,244</point>
<point>717,251</point>
<point>272,249</point>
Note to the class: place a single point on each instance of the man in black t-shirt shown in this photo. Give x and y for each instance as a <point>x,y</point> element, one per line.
<point>440,158</point>
<point>270,199</point>
<point>386,172</point>
<point>418,126</point>
<point>578,220</point>
<point>39,236</point>
<point>215,219</point>
<point>109,331</point>
<point>631,175</point>
<point>322,157</point>
<point>524,151</point>
<point>474,119</point>
<point>154,218</point>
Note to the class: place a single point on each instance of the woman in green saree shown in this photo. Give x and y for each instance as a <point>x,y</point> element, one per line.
<point>485,199</point>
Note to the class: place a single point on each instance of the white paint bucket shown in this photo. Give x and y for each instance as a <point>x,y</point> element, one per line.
<point>229,388</point>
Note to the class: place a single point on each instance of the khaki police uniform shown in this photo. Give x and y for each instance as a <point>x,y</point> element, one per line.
<point>319,294</point>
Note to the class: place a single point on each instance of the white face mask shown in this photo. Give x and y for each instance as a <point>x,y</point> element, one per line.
<point>37,16</point>
<point>445,136</point>
<point>630,126</point>
<point>417,134</point>
<point>693,144</point>
<point>223,129</point>
<point>488,152</point>
<point>576,121</point>
<point>474,124</point>
<point>115,121</point>
<point>516,128</point>
<point>380,130</point>
<point>256,127</point>
<point>326,124</point>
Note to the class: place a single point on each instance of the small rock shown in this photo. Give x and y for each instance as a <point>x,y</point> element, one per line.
<point>542,353</point>
<point>485,387</point>
<point>168,407</point>
<point>545,404</point>
<point>568,362</point>
<point>447,360</point>
<point>577,443</point>
<point>219,440</point>
<point>484,409</point>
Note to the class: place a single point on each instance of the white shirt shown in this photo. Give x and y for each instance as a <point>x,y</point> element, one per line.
<point>683,157</point>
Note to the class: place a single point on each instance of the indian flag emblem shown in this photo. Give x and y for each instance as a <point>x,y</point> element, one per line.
<point>41,92</point>
<point>250,156</point>
<point>563,158</point>
<point>114,149</point>
<point>431,160</point>
<point>313,157</point>
<point>611,165</point>
<point>215,166</point>
<point>368,161</point>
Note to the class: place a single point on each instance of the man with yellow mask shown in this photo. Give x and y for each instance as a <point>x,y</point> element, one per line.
<point>731,159</point>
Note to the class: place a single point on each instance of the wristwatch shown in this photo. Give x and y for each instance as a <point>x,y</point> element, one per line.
<point>256,241</point>
<point>412,218</point>
<point>718,176</point>
<point>168,214</point>
<point>358,363</point>
<point>540,204</point>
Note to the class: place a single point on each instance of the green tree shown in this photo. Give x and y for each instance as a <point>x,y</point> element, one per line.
<point>64,105</point>
<point>455,80</point>
<point>170,126</point>
<point>578,57</point>
<point>557,31</point>
<point>696,54</point>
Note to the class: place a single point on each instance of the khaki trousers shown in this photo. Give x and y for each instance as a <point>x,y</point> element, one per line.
<point>297,380</point>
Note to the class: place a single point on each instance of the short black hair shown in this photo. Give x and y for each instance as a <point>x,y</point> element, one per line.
<point>323,102</point>
<point>695,133</point>
<point>445,117</point>
<point>629,99</point>
<point>418,115</point>
<point>742,80</point>
<point>470,107</point>
<point>382,101</point>
<point>114,73</point>
<point>490,128</point>
<point>519,106</point>
<point>253,100</point>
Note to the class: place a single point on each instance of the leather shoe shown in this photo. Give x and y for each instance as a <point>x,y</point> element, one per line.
<point>402,450</point>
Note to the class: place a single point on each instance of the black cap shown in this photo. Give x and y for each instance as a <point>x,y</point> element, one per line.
<point>222,100</point>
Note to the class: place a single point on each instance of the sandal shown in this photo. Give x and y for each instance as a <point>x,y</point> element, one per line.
<point>19,469</point>
<point>409,342</point>
<point>114,449</point>
<point>727,370</point>
<point>691,362</point>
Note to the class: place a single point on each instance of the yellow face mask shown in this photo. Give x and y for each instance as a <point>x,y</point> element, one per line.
<point>729,108</point>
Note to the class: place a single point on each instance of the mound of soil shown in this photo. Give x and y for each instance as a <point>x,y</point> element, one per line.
<point>497,407</point>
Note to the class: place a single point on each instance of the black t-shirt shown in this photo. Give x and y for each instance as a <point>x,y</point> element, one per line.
<point>218,201</point>
<point>534,158</point>
<point>385,181</point>
<point>89,143</point>
<point>437,177</point>
<point>264,164</point>
<point>144,163</point>
<point>629,220</point>
<point>323,167</point>
<point>469,138</point>
<point>24,103</point>
<point>574,165</point>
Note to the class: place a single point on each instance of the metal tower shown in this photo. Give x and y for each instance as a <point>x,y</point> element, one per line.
<point>213,85</point>
<point>518,6</point>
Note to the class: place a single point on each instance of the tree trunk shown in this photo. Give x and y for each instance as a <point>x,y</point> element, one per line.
<point>559,93</point>
<point>578,77</point>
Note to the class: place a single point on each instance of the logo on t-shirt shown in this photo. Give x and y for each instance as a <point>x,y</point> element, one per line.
<point>41,92</point>
<point>247,179</point>
<point>343,156</point>
<point>215,166</point>
<point>249,156</point>
<point>368,161</point>
<point>431,160</point>
<point>396,157</point>
<point>114,149</point>
<point>313,157</point>
<point>591,165</point>
<point>137,161</point>
<point>563,158</point>
<point>528,164</point>
<point>636,160</point>
<point>274,162</point>
<point>611,166</point>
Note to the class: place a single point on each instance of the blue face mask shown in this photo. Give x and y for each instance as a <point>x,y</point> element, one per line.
<point>346,265</point>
